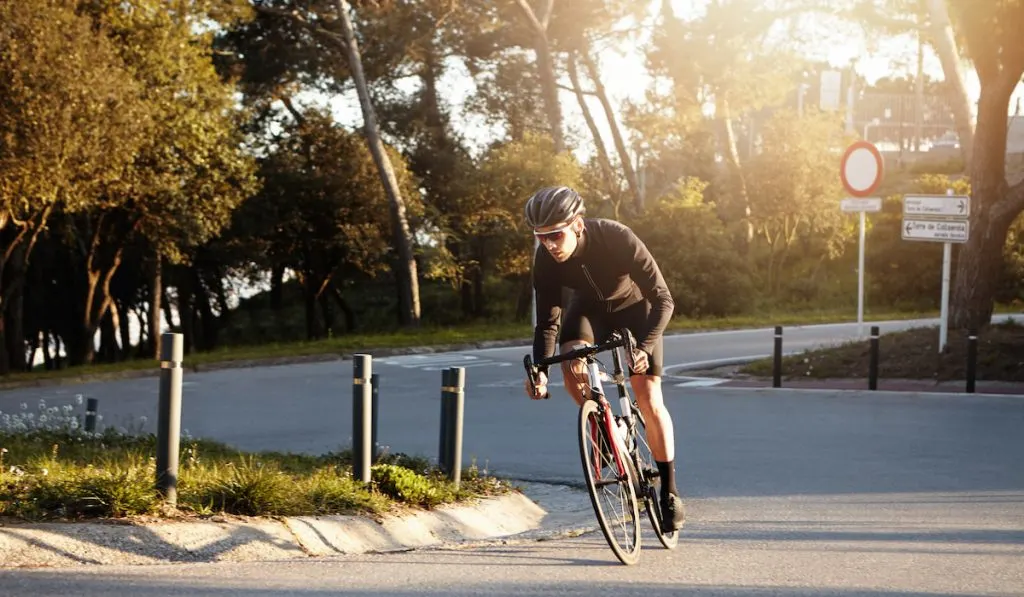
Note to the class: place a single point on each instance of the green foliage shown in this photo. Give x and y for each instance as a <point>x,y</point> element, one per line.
<point>407,486</point>
<point>509,173</point>
<point>794,196</point>
<point>50,468</point>
<point>73,116</point>
<point>704,273</point>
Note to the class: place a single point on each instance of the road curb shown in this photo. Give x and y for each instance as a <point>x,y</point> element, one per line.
<point>552,511</point>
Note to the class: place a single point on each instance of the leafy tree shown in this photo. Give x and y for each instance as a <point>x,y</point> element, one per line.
<point>991,39</point>
<point>185,181</point>
<point>71,122</point>
<point>798,193</point>
<point>320,212</point>
<point>717,59</point>
<point>508,174</point>
<point>705,274</point>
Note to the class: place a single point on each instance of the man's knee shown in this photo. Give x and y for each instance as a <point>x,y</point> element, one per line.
<point>573,372</point>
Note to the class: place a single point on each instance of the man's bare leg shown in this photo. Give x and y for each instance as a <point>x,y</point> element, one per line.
<point>574,374</point>
<point>661,439</point>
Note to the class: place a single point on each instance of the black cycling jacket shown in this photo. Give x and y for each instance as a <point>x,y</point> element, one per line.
<point>611,271</point>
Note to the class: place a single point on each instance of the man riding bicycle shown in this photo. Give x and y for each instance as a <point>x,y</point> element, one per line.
<point>616,284</point>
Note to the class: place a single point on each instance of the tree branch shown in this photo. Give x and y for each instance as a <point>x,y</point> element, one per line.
<point>538,26</point>
<point>294,15</point>
<point>575,90</point>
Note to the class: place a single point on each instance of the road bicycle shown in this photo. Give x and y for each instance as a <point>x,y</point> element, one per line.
<point>618,465</point>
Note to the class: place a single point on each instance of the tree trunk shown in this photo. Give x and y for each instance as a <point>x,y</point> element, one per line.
<point>186,312</point>
<point>14,329</point>
<point>327,313</point>
<point>124,327</point>
<point>466,294</point>
<point>168,314</point>
<point>108,338</point>
<point>309,294</point>
<point>740,197</point>
<point>408,279</point>
<point>277,288</point>
<point>156,294</point>
<point>613,125</point>
<point>993,208</point>
<point>48,363</point>
<point>546,71</point>
<point>208,322</point>
<point>346,309</point>
<point>602,153</point>
<point>945,46</point>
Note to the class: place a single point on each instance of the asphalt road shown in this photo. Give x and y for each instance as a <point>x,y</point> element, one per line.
<point>788,492</point>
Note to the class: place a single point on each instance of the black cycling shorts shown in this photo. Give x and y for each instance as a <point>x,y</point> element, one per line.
<point>594,325</point>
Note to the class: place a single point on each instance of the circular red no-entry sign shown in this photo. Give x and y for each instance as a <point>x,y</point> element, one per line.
<point>861,168</point>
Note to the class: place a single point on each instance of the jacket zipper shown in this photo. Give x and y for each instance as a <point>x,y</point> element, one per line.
<point>592,283</point>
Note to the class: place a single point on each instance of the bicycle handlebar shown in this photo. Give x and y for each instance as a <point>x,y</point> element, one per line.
<point>623,338</point>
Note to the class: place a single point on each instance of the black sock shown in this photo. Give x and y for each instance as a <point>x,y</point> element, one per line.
<point>667,474</point>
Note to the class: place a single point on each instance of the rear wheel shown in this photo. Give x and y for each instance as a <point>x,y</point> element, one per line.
<point>651,482</point>
<point>612,495</point>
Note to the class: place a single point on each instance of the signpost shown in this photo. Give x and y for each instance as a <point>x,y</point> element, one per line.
<point>938,218</point>
<point>861,172</point>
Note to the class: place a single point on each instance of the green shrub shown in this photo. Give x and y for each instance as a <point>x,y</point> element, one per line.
<point>405,485</point>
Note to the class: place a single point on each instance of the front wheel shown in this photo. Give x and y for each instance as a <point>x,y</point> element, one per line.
<point>611,493</point>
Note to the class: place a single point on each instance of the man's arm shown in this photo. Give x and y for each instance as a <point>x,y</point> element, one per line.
<point>647,275</point>
<point>549,309</point>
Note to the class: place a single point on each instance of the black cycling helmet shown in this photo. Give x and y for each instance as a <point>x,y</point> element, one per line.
<point>553,205</point>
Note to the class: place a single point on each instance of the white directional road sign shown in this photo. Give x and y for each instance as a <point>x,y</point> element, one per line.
<point>947,206</point>
<point>862,204</point>
<point>948,231</point>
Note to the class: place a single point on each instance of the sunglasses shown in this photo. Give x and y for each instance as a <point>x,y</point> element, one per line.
<point>557,235</point>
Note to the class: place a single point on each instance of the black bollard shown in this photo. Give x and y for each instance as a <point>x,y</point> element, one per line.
<point>362,400</point>
<point>777,365</point>
<point>168,435</point>
<point>458,402</point>
<point>873,360</point>
<point>972,359</point>
<point>91,406</point>
<point>443,447</point>
<point>375,391</point>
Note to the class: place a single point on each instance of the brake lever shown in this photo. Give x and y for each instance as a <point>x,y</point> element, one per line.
<point>531,373</point>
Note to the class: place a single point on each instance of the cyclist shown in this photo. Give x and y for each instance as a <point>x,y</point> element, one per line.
<point>616,283</point>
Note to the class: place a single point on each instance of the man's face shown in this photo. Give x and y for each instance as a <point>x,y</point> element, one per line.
<point>561,239</point>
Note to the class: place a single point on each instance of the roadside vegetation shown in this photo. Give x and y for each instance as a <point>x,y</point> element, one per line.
<point>910,354</point>
<point>52,469</point>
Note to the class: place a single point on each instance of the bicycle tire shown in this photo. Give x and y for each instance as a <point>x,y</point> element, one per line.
<point>644,460</point>
<point>625,544</point>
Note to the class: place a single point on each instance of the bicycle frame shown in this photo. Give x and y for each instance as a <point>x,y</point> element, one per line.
<point>619,449</point>
<point>588,353</point>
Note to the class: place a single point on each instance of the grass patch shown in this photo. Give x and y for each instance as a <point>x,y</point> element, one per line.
<point>50,469</point>
<point>910,354</point>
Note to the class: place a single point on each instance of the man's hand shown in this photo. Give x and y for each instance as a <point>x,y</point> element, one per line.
<point>640,361</point>
<point>540,389</point>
